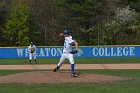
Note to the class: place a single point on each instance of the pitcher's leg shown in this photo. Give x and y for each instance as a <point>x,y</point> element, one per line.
<point>62,59</point>
<point>71,60</point>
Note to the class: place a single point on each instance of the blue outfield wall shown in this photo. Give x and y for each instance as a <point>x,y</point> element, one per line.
<point>84,52</point>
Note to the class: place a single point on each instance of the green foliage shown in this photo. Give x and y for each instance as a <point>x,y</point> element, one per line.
<point>82,16</point>
<point>22,21</point>
<point>17,26</point>
<point>135,4</point>
<point>123,21</point>
<point>3,14</point>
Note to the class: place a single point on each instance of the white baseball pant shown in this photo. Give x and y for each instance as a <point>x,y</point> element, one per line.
<point>32,55</point>
<point>66,56</point>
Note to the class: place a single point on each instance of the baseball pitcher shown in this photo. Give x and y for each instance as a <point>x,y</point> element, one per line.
<point>68,52</point>
<point>32,52</point>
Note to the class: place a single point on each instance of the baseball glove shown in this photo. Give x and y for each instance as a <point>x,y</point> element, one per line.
<point>32,50</point>
<point>74,52</point>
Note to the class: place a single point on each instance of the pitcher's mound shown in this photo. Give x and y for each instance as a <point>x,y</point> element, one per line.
<point>58,77</point>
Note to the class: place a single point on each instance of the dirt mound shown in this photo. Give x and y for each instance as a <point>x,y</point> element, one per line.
<point>57,77</point>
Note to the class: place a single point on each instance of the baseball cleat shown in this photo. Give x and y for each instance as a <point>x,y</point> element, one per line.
<point>56,69</point>
<point>74,75</point>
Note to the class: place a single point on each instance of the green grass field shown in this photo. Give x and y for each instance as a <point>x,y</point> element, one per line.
<point>77,61</point>
<point>131,86</point>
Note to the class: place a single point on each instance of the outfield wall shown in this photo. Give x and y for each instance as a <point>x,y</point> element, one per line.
<point>84,52</point>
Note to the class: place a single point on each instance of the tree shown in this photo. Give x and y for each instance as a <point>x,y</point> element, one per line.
<point>135,4</point>
<point>17,26</point>
<point>81,16</point>
<point>124,21</point>
<point>3,17</point>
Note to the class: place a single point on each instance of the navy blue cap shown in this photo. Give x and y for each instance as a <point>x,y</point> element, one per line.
<point>31,42</point>
<point>66,32</point>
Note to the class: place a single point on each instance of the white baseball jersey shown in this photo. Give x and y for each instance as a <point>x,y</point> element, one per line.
<point>32,48</point>
<point>68,44</point>
<point>67,48</point>
<point>31,55</point>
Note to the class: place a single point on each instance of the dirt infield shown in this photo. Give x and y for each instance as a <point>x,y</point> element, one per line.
<point>58,77</point>
<point>67,66</point>
<point>62,77</point>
